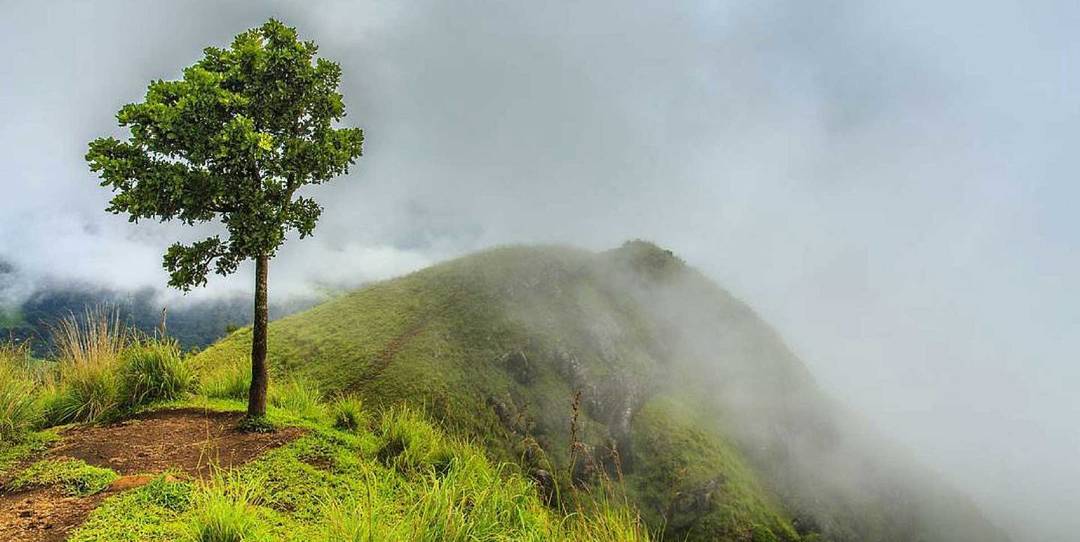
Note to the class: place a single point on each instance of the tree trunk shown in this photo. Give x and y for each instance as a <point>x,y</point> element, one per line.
<point>259,379</point>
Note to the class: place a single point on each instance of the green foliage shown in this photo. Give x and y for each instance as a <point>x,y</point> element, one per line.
<point>354,518</point>
<point>234,139</point>
<point>139,374</point>
<point>87,386</point>
<point>74,477</point>
<point>256,424</point>
<point>167,493</point>
<point>410,443</point>
<point>716,492</point>
<point>20,410</point>
<point>348,413</point>
<point>154,370</point>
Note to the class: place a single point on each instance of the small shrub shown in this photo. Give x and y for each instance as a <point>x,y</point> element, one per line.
<point>225,510</point>
<point>154,370</point>
<point>256,424</point>
<point>299,397</point>
<point>348,414</point>
<point>75,477</point>
<point>20,411</point>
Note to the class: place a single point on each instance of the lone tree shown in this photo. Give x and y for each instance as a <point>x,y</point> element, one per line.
<point>233,141</point>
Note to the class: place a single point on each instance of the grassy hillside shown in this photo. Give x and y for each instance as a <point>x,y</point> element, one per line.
<point>624,365</point>
<point>156,453</point>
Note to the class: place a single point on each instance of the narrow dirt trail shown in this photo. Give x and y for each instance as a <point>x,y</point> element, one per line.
<point>386,356</point>
<point>189,441</point>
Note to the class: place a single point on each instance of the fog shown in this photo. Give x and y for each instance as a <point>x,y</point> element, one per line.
<point>890,186</point>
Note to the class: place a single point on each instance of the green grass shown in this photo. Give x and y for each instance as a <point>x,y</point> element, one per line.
<point>348,414</point>
<point>154,370</point>
<point>299,397</point>
<point>94,383</point>
<point>405,480</point>
<point>85,393</point>
<point>15,451</point>
<point>149,513</point>
<point>73,476</point>
<point>437,340</point>
<point>20,409</point>
<point>711,489</point>
<point>105,370</point>
<point>226,380</point>
<point>226,510</point>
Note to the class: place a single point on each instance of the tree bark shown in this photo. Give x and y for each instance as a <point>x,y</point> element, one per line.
<point>259,378</point>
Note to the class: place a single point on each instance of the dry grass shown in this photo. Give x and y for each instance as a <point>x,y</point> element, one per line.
<point>94,338</point>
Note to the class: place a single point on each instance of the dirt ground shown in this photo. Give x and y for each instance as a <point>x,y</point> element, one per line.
<point>188,441</point>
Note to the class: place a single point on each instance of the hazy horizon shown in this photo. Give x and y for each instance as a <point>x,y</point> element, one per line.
<point>889,186</point>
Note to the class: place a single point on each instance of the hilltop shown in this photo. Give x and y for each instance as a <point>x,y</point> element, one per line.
<point>625,365</point>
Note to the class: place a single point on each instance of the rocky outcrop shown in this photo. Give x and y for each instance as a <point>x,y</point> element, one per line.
<point>519,367</point>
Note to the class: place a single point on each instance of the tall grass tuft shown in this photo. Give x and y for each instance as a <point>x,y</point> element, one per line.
<point>411,443</point>
<point>94,339</point>
<point>20,410</point>
<point>88,349</point>
<point>602,515</point>
<point>369,515</point>
<point>298,396</point>
<point>225,510</point>
<point>104,368</point>
<point>85,393</point>
<point>348,413</point>
<point>154,370</point>
<point>226,381</point>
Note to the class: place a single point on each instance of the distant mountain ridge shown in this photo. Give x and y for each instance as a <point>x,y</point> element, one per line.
<point>196,324</point>
<point>627,364</point>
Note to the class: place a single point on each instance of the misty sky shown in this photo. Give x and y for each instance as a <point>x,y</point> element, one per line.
<point>893,186</point>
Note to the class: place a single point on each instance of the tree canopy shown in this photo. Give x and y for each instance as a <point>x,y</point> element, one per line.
<point>233,140</point>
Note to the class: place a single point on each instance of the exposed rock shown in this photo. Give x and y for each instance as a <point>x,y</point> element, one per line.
<point>506,417</point>
<point>511,415</point>
<point>545,485</point>
<point>517,364</point>
<point>612,401</point>
<point>697,500</point>
<point>584,470</point>
<point>533,453</point>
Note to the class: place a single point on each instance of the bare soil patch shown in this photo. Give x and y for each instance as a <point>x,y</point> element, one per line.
<point>191,441</point>
<point>44,514</point>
